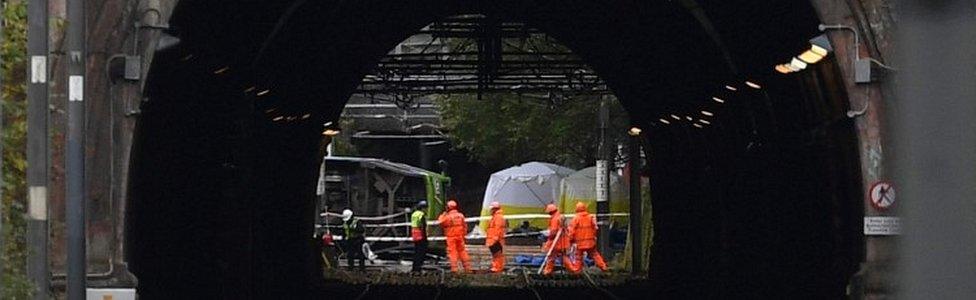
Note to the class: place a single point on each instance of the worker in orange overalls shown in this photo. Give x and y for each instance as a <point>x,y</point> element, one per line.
<point>582,232</point>
<point>496,238</point>
<point>558,243</point>
<point>452,221</point>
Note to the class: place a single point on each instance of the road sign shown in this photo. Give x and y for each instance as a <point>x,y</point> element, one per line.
<point>882,195</point>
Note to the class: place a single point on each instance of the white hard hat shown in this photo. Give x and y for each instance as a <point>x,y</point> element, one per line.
<point>346,215</point>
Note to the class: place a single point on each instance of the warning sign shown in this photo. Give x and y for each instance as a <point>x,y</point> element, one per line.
<point>882,195</point>
<point>882,225</point>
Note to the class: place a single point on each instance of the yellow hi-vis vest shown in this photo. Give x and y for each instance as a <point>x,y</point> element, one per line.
<point>418,225</point>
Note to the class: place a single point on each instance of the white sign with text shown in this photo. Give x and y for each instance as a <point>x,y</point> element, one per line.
<point>882,225</point>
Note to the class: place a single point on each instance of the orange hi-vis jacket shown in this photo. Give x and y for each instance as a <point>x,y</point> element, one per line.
<point>556,224</point>
<point>496,228</point>
<point>583,230</point>
<point>453,224</point>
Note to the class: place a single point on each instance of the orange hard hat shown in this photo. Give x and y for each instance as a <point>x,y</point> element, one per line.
<point>452,204</point>
<point>551,208</point>
<point>580,206</point>
<point>495,205</point>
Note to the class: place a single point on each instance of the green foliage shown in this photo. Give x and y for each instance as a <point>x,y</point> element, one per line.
<point>14,255</point>
<point>502,130</point>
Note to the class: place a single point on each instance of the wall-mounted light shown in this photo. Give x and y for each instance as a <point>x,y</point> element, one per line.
<point>819,48</point>
<point>783,68</point>
<point>821,45</point>
<point>634,131</point>
<point>719,100</point>
<point>331,129</point>
<point>676,117</point>
<point>221,70</point>
<point>731,88</point>
<point>753,85</point>
<point>797,64</point>
<point>665,121</point>
<point>707,113</point>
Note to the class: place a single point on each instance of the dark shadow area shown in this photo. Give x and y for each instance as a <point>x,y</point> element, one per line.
<point>764,202</point>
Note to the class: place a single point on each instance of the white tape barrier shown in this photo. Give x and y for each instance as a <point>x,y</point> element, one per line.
<point>467,220</point>
<point>475,219</point>
<point>379,218</point>
<point>440,238</point>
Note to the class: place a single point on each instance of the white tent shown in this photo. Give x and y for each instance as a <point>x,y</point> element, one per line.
<point>581,187</point>
<point>524,189</point>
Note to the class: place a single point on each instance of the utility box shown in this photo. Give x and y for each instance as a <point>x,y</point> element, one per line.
<point>866,72</point>
<point>111,294</point>
<point>133,67</point>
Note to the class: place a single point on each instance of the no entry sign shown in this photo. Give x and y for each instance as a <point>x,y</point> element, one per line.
<point>882,195</point>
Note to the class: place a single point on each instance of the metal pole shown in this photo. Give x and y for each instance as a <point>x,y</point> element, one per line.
<point>75,153</point>
<point>425,160</point>
<point>603,178</point>
<point>37,153</point>
<point>636,215</point>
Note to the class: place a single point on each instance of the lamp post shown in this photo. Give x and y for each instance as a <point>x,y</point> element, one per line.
<point>636,213</point>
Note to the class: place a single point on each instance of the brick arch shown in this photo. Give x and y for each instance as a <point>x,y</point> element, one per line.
<point>226,167</point>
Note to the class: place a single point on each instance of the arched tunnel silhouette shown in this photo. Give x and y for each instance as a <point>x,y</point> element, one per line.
<point>766,202</point>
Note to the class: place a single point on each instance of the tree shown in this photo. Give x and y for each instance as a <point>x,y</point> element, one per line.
<point>505,129</point>
<point>502,130</point>
<point>14,52</point>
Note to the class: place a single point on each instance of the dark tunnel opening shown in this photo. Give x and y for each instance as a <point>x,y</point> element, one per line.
<point>764,202</point>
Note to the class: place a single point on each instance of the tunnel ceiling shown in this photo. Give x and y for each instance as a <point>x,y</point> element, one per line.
<point>658,57</point>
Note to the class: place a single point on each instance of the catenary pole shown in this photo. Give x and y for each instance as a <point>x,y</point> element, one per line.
<point>37,147</point>
<point>636,216</point>
<point>75,153</point>
<point>603,176</point>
